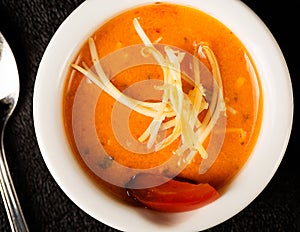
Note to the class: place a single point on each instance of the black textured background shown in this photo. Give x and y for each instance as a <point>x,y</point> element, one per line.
<point>28,25</point>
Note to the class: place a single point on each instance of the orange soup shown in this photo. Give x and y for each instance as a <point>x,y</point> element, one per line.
<point>124,115</point>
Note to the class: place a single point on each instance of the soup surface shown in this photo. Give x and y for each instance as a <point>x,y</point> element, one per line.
<point>104,133</point>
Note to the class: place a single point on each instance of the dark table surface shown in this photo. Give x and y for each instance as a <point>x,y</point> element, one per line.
<point>28,25</point>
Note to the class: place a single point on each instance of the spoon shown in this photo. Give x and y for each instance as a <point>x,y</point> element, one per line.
<point>9,93</point>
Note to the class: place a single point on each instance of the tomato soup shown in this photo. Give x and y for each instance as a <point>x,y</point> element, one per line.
<point>101,129</point>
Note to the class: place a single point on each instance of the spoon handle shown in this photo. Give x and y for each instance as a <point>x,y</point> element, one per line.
<point>10,199</point>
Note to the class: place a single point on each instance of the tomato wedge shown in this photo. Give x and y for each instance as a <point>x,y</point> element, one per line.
<point>172,196</point>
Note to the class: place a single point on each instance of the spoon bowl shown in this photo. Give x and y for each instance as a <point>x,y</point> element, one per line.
<point>9,94</point>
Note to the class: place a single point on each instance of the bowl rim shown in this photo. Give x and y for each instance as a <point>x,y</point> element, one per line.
<point>278,113</point>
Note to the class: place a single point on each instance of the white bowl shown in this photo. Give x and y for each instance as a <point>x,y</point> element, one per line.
<point>255,175</point>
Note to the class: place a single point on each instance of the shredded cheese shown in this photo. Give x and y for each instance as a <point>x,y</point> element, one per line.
<point>178,111</point>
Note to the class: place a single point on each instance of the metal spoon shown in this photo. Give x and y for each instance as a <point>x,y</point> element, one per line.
<point>9,93</point>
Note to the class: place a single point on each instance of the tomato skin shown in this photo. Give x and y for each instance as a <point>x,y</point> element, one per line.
<point>172,196</point>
